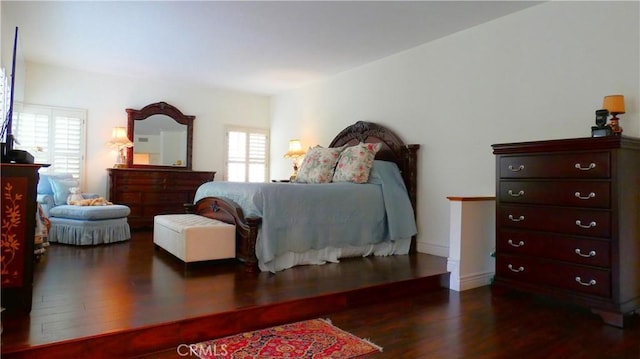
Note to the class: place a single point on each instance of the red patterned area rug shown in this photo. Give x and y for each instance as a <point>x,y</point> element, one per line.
<point>316,338</point>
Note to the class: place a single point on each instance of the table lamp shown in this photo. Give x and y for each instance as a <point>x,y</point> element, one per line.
<point>120,141</point>
<point>295,152</point>
<point>615,105</point>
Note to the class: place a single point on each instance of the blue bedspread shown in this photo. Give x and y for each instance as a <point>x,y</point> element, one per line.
<point>298,217</point>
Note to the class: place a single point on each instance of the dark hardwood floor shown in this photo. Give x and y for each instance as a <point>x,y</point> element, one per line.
<point>127,300</point>
<point>478,324</point>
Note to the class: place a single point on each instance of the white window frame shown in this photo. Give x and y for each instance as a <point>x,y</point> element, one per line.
<point>248,131</point>
<point>5,95</point>
<point>52,112</point>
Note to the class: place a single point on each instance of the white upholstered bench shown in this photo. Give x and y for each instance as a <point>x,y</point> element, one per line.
<point>194,238</point>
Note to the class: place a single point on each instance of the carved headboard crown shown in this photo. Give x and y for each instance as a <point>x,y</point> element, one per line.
<point>393,149</point>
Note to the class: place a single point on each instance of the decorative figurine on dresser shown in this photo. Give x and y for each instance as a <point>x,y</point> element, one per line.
<point>157,177</point>
<point>568,221</point>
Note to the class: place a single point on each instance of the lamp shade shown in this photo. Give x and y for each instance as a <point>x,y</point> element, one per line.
<point>614,103</point>
<point>295,149</point>
<point>119,138</point>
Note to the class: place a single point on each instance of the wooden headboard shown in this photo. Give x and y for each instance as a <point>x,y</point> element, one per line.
<point>393,149</point>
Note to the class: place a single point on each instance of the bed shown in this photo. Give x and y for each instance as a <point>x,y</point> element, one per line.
<point>281,225</point>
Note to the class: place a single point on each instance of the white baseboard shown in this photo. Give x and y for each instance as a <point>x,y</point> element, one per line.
<point>476,280</point>
<point>434,249</point>
<point>469,281</point>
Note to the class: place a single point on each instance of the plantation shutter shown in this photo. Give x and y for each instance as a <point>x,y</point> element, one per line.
<point>66,142</point>
<point>52,135</point>
<point>236,156</point>
<point>247,155</point>
<point>32,132</point>
<point>257,157</point>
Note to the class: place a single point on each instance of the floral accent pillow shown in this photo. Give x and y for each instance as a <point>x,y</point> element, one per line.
<point>354,164</point>
<point>318,165</point>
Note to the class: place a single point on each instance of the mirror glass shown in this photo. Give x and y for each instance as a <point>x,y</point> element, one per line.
<point>160,141</point>
<point>162,137</point>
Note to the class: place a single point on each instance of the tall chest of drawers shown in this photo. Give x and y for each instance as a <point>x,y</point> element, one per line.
<point>153,191</point>
<point>568,221</point>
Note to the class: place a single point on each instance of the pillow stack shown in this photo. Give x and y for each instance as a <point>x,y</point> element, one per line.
<point>338,164</point>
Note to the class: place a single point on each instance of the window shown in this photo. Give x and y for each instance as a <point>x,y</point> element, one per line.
<point>5,96</point>
<point>247,154</point>
<point>52,135</point>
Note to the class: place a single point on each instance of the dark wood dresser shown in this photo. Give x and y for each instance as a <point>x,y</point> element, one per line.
<point>19,182</point>
<point>153,191</point>
<point>568,221</point>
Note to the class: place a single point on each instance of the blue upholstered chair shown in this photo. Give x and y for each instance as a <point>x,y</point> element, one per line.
<point>80,225</point>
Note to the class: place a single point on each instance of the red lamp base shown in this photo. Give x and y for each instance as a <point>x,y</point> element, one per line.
<point>615,127</point>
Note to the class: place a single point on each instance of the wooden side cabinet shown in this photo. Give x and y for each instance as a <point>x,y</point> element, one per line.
<point>19,182</point>
<point>568,221</point>
<point>153,191</point>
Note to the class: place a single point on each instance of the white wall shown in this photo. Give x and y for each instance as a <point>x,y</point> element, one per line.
<point>534,75</point>
<point>107,97</point>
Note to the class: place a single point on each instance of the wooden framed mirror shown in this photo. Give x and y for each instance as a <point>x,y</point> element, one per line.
<point>162,137</point>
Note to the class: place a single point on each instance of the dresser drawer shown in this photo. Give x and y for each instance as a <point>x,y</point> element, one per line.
<point>142,187</point>
<point>575,165</point>
<point>556,274</point>
<point>585,222</point>
<point>136,210</point>
<point>564,248</point>
<point>185,187</point>
<point>594,194</point>
<point>138,180</point>
<point>128,197</point>
<point>193,177</point>
<point>166,197</point>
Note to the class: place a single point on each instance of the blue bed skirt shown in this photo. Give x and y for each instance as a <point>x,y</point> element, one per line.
<point>84,233</point>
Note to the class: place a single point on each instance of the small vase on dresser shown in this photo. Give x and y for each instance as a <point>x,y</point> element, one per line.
<point>568,222</point>
<point>152,191</point>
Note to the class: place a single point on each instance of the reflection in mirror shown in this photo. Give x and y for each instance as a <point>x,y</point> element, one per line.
<point>162,136</point>
<point>160,141</point>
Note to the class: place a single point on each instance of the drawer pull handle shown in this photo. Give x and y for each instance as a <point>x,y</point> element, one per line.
<point>521,218</point>
<point>590,254</point>
<point>519,244</point>
<point>586,284</point>
<point>590,225</point>
<point>580,196</point>
<point>518,270</point>
<point>591,166</point>
<point>520,193</point>
<point>516,169</point>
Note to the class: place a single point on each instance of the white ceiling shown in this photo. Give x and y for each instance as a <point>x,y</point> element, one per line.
<point>262,46</point>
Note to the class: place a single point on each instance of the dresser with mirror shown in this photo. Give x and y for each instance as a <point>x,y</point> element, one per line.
<point>158,177</point>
